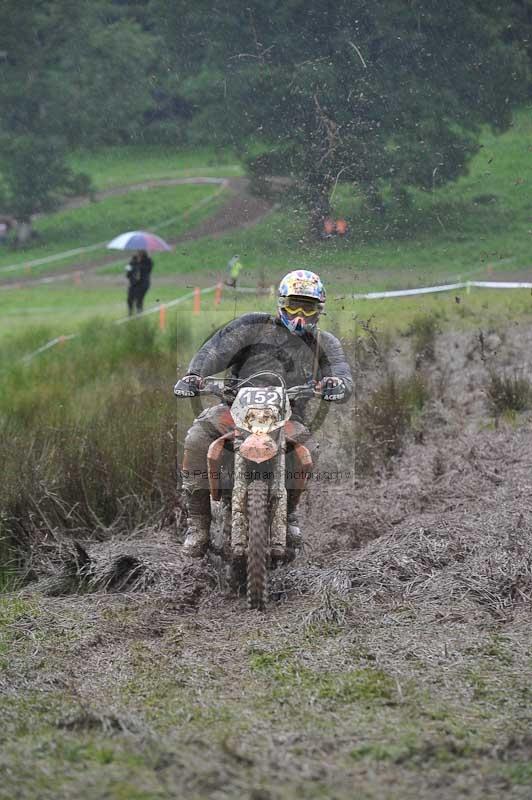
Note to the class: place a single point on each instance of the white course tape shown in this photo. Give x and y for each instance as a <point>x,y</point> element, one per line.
<point>51,343</point>
<point>501,284</point>
<point>56,257</point>
<point>249,290</point>
<point>449,287</point>
<point>405,292</point>
<point>156,309</point>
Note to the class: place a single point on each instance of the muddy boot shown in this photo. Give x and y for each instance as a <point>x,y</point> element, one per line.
<point>294,537</point>
<point>198,505</point>
<point>197,535</point>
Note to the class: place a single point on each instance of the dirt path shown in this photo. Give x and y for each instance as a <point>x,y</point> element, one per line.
<point>241,210</point>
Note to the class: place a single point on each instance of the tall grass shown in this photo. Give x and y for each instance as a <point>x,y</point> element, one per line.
<point>388,416</point>
<point>507,393</point>
<point>89,436</point>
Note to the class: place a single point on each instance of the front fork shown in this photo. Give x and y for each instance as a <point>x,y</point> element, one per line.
<point>239,525</point>
<point>280,500</point>
<point>278,495</point>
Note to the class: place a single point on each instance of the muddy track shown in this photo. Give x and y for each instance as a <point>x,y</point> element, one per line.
<point>241,210</point>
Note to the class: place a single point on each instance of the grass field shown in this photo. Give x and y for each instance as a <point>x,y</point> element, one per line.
<point>120,166</point>
<point>170,210</point>
<point>30,317</point>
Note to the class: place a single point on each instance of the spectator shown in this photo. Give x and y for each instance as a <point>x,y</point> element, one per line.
<point>138,274</point>
<point>234,268</point>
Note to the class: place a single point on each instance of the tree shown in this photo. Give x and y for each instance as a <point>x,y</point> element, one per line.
<point>519,30</point>
<point>389,93</point>
<point>70,74</point>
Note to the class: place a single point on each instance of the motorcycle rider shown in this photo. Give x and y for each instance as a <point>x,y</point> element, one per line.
<point>289,344</point>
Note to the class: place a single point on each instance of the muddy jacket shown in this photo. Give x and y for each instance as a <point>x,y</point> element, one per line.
<point>259,342</point>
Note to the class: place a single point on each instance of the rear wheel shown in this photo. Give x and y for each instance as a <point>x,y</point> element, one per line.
<point>258,544</point>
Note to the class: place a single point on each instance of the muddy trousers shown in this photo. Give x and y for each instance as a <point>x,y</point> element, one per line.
<point>212,423</point>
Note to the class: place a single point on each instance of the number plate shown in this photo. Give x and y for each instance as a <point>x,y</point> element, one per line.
<point>260,397</point>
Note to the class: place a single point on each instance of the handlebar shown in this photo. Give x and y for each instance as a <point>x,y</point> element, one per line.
<point>212,389</point>
<point>305,390</point>
<point>229,389</point>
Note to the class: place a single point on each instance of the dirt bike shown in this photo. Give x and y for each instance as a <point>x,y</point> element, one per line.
<point>247,468</point>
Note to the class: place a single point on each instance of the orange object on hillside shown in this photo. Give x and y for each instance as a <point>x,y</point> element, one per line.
<point>341,227</point>
<point>328,226</point>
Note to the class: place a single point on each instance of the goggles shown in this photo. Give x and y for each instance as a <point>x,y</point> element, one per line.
<point>296,305</point>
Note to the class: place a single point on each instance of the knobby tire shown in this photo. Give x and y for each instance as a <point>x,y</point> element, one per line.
<point>258,544</point>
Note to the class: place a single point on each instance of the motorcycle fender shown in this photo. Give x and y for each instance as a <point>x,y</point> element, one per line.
<point>303,465</point>
<point>258,448</point>
<point>214,460</point>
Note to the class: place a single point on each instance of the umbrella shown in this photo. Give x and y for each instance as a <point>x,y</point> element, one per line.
<point>138,240</point>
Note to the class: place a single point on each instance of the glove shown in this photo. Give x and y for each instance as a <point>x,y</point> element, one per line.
<point>332,389</point>
<point>189,386</point>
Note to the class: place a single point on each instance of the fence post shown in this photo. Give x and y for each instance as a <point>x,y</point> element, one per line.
<point>162,317</point>
<point>196,309</point>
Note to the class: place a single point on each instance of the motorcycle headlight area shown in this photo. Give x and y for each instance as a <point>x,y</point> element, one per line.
<point>262,420</point>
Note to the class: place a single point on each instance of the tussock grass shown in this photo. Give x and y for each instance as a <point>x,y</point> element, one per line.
<point>148,560</point>
<point>388,415</point>
<point>508,392</point>
<point>443,564</point>
<point>423,330</point>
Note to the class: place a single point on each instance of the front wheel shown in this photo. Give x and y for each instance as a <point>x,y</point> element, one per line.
<point>258,544</point>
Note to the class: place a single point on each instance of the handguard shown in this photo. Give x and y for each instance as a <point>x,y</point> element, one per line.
<point>332,389</point>
<point>189,386</point>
